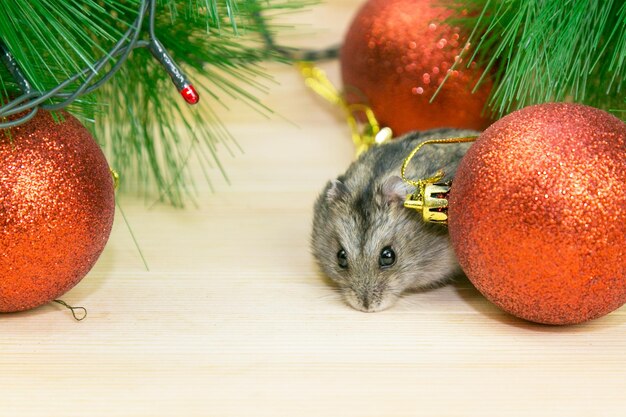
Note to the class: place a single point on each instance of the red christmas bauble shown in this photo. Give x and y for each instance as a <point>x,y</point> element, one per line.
<point>394,57</point>
<point>537,213</point>
<point>56,209</point>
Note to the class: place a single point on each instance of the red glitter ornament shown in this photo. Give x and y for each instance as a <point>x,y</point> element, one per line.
<point>56,209</point>
<point>395,56</point>
<point>537,213</point>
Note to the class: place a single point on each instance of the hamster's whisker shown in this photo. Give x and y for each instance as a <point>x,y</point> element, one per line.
<point>333,296</point>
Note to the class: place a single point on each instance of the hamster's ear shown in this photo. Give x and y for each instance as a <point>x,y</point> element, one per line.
<point>394,190</point>
<point>336,191</point>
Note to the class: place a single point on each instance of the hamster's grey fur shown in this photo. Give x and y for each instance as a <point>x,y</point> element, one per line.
<point>361,212</point>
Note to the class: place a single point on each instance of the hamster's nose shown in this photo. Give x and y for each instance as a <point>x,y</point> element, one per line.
<point>366,302</point>
<point>369,303</point>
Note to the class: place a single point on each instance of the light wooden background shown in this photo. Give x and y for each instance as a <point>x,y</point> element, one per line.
<point>233,319</point>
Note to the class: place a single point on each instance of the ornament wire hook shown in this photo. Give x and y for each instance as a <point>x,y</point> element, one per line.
<point>77,316</point>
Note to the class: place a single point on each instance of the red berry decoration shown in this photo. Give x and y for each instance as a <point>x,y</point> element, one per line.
<point>56,209</point>
<point>395,56</point>
<point>537,213</point>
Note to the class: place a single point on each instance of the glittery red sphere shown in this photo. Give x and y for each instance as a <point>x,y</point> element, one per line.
<point>537,213</point>
<point>395,56</point>
<point>56,209</point>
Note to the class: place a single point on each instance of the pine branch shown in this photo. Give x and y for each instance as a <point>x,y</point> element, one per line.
<point>147,130</point>
<point>551,50</point>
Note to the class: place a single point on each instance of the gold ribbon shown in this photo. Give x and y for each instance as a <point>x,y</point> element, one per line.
<point>371,133</point>
<point>116,178</point>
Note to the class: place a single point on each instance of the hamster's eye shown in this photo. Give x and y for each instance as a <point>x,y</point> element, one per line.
<point>387,257</point>
<point>342,259</point>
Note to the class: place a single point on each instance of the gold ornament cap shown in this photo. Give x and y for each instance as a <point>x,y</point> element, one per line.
<point>430,196</point>
<point>431,199</point>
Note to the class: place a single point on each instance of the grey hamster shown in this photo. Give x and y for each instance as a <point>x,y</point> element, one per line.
<point>367,242</point>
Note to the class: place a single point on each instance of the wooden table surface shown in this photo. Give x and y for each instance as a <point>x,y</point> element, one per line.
<point>234,319</point>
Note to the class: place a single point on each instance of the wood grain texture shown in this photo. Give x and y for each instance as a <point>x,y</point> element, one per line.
<point>233,318</point>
